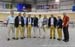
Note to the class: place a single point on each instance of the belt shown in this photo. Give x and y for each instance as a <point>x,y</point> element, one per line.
<point>19,24</point>
<point>29,24</point>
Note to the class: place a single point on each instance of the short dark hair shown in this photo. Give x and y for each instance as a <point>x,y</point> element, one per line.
<point>40,15</point>
<point>51,14</point>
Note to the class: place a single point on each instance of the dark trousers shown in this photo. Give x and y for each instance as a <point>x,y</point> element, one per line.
<point>66,33</point>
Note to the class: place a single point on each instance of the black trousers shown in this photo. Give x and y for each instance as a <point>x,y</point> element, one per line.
<point>66,33</point>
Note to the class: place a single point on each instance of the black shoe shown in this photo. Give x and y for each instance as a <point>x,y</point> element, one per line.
<point>13,38</point>
<point>16,38</point>
<point>63,39</point>
<point>50,37</point>
<point>59,39</point>
<point>34,37</point>
<point>22,37</point>
<point>66,40</point>
<point>54,38</point>
<point>8,39</point>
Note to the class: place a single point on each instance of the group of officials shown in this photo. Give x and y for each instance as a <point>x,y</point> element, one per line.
<point>21,23</point>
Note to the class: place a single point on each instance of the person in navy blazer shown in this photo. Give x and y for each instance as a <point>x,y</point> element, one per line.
<point>52,24</point>
<point>29,16</point>
<point>17,21</point>
<point>19,24</point>
<point>35,25</point>
<point>59,28</point>
<point>35,21</point>
<point>29,23</point>
<point>49,21</point>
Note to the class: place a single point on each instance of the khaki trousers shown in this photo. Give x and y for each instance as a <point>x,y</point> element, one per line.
<point>59,31</point>
<point>19,30</point>
<point>52,31</point>
<point>11,30</point>
<point>24,28</point>
<point>29,31</point>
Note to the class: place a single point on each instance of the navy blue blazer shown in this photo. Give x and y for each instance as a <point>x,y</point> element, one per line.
<point>49,22</point>
<point>35,21</point>
<point>27,21</point>
<point>16,22</point>
<point>59,23</point>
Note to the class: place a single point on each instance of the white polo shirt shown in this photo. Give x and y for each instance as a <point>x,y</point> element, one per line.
<point>52,21</point>
<point>11,19</point>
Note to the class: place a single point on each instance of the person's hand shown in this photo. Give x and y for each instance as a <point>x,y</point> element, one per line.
<point>62,24</point>
<point>67,24</point>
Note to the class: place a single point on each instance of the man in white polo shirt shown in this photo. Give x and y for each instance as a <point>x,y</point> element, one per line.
<point>10,22</point>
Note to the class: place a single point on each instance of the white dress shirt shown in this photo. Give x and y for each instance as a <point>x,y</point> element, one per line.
<point>52,21</point>
<point>29,20</point>
<point>19,20</point>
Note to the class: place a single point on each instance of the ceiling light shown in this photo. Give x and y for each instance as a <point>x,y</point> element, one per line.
<point>57,0</point>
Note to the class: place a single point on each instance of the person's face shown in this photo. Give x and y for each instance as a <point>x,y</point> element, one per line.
<point>34,16</point>
<point>19,14</point>
<point>24,14</point>
<point>29,16</point>
<point>39,16</point>
<point>52,16</point>
<point>59,17</point>
<point>12,13</point>
<point>64,14</point>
